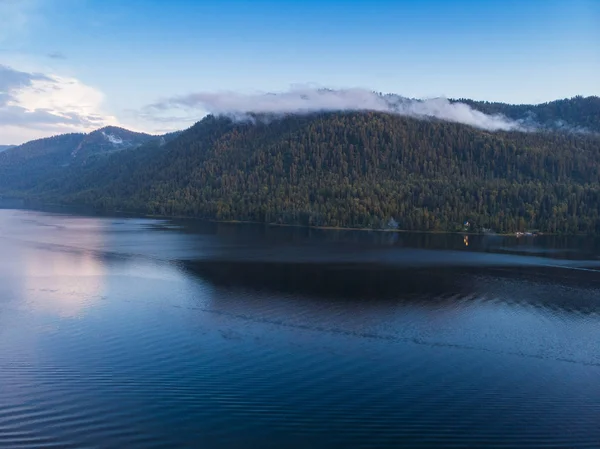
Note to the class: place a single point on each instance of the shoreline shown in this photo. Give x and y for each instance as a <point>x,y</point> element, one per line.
<point>139,214</point>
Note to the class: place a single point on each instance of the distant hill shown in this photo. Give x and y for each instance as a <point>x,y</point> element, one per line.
<point>109,139</point>
<point>5,147</point>
<point>24,166</point>
<point>354,169</point>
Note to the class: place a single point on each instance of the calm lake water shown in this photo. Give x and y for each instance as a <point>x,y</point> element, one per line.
<point>121,332</point>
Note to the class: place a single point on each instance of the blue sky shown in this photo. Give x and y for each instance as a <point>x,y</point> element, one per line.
<point>109,59</point>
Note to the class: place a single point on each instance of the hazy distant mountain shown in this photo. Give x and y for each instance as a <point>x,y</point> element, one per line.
<point>23,166</point>
<point>5,147</point>
<point>357,169</point>
<point>109,139</point>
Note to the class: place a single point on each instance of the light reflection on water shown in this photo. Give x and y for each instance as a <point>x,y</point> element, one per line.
<point>120,332</point>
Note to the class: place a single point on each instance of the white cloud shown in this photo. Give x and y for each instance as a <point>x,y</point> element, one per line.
<point>47,104</point>
<point>303,100</point>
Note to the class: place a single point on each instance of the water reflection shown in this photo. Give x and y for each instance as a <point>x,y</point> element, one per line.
<point>572,291</point>
<point>473,309</point>
<point>65,283</point>
<point>47,257</point>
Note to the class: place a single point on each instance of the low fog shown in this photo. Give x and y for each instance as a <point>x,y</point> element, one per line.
<point>309,100</point>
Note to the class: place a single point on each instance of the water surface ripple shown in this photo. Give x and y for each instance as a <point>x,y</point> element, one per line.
<point>123,332</point>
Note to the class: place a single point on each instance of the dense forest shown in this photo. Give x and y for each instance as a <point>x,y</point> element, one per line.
<point>354,169</point>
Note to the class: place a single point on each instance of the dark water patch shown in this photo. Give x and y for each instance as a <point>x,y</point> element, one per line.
<point>568,289</point>
<point>339,280</point>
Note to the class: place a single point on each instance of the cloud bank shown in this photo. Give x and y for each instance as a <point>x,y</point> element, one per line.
<point>35,104</point>
<point>305,100</point>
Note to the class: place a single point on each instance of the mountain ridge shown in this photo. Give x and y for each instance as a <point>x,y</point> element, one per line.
<point>343,169</point>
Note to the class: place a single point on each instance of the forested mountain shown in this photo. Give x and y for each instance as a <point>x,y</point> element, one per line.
<point>22,167</point>
<point>25,166</point>
<point>108,139</point>
<point>354,169</point>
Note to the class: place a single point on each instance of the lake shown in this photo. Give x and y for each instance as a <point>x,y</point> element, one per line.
<point>134,332</point>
